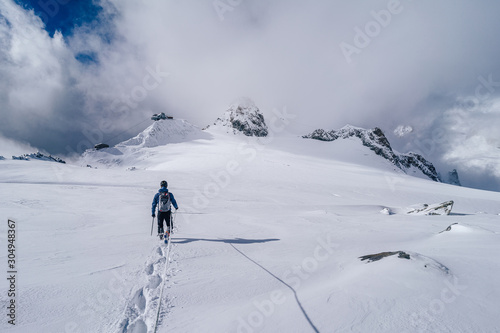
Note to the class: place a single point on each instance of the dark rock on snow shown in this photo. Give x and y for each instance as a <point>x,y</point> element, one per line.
<point>378,256</point>
<point>101,146</point>
<point>443,208</point>
<point>243,116</point>
<point>449,227</point>
<point>38,156</point>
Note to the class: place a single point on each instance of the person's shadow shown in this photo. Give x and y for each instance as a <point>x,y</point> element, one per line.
<point>181,240</point>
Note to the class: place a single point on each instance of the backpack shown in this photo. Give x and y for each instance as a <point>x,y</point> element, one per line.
<point>164,202</point>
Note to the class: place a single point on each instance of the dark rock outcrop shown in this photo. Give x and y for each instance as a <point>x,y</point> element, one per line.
<point>243,116</point>
<point>443,208</point>
<point>449,228</point>
<point>38,156</point>
<point>378,256</point>
<point>101,146</point>
<point>453,178</point>
<point>418,161</point>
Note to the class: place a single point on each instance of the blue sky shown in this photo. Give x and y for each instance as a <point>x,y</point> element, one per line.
<point>75,73</point>
<point>65,15</point>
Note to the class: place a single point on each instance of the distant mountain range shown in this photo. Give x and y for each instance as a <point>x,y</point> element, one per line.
<point>378,143</point>
<point>243,117</point>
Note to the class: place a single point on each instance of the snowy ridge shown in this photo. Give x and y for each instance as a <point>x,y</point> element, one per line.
<point>378,143</point>
<point>243,116</point>
<point>37,156</point>
<point>412,159</point>
<point>138,149</point>
<point>163,132</point>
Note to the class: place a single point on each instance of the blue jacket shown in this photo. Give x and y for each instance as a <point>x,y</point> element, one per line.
<point>157,197</point>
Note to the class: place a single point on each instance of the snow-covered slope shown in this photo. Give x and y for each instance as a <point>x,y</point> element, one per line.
<point>269,238</point>
<point>243,116</point>
<point>378,143</point>
<point>138,148</point>
<point>165,131</point>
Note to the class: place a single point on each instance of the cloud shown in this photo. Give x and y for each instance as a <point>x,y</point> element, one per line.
<point>473,144</point>
<point>461,134</point>
<point>54,101</point>
<point>288,53</point>
<point>9,148</point>
<point>36,83</point>
<point>414,61</point>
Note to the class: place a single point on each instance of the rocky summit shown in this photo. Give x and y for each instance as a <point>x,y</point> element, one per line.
<point>243,116</point>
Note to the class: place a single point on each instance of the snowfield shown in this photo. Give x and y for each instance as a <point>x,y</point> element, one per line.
<point>268,238</point>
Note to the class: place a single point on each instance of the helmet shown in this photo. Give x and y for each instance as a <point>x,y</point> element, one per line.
<point>163,183</point>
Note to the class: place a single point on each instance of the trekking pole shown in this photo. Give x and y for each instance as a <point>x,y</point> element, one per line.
<point>152,223</point>
<point>173,219</point>
<point>170,224</point>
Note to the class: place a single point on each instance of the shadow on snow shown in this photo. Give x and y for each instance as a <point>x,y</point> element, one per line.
<point>306,316</point>
<point>227,241</point>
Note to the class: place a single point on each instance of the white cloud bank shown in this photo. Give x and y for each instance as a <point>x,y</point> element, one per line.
<point>413,63</point>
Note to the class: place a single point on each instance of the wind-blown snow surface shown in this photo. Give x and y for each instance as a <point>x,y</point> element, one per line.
<point>269,235</point>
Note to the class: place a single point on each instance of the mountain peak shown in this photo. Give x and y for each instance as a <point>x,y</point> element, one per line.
<point>160,133</point>
<point>165,131</point>
<point>245,117</point>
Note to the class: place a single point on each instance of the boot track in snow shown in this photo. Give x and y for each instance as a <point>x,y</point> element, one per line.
<point>142,312</point>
